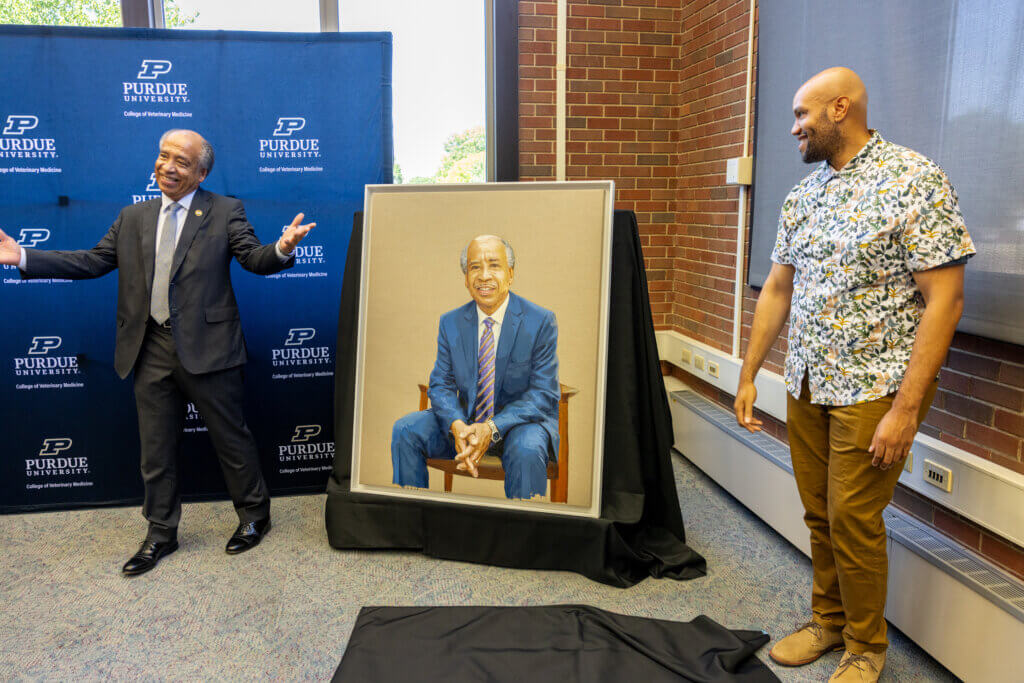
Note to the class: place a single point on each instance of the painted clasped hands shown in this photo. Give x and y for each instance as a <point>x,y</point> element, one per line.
<point>471,442</point>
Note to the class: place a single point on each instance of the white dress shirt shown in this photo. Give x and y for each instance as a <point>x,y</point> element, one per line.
<point>498,316</point>
<point>182,213</point>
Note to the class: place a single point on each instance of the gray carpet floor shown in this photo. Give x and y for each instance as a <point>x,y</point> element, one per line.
<point>284,611</point>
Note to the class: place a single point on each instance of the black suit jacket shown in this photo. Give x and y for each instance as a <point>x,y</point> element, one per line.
<point>204,313</point>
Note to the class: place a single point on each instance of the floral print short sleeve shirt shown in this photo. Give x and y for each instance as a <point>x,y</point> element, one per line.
<point>855,237</point>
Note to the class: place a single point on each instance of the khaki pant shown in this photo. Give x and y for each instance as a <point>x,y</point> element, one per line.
<point>843,497</point>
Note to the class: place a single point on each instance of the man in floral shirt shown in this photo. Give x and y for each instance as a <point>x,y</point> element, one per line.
<point>869,266</point>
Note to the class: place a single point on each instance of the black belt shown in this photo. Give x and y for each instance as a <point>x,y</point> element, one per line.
<point>163,325</point>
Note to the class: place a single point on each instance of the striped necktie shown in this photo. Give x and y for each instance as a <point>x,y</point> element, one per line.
<point>484,409</point>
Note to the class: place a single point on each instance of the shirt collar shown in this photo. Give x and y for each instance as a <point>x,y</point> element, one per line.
<point>185,201</point>
<point>855,165</point>
<point>498,315</point>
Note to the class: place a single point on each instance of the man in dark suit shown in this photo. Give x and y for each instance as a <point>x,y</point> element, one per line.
<point>178,328</point>
<point>494,386</point>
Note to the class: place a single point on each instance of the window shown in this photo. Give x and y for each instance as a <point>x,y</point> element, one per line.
<point>438,84</point>
<point>57,13</point>
<point>302,16</point>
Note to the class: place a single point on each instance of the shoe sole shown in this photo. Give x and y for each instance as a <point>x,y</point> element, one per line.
<point>155,562</point>
<point>249,547</point>
<point>840,646</point>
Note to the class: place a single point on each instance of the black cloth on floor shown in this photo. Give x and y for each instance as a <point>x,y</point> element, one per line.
<point>640,531</point>
<point>558,643</point>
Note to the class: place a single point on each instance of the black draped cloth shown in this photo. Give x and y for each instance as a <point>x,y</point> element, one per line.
<point>554,644</point>
<point>640,531</point>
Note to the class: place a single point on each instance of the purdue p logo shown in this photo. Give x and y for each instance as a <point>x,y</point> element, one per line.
<point>304,433</point>
<point>286,125</point>
<point>299,335</point>
<point>30,237</point>
<point>43,345</point>
<point>17,124</point>
<point>54,446</point>
<point>151,68</point>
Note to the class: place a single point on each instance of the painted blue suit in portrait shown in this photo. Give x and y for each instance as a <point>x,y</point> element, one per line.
<point>526,392</point>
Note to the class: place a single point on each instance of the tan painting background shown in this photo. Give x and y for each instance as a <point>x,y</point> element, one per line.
<point>414,277</point>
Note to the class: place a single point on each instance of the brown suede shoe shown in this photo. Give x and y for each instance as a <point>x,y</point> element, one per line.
<point>806,644</point>
<point>854,668</point>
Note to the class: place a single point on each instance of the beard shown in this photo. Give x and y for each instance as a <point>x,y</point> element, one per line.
<point>823,144</point>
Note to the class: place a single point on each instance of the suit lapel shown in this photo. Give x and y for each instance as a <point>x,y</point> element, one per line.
<point>467,325</point>
<point>150,217</point>
<point>509,328</point>
<point>198,214</point>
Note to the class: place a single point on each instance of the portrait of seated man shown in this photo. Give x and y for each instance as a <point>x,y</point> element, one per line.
<point>494,387</point>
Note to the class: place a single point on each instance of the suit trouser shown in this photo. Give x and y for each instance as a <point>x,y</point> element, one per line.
<point>843,497</point>
<point>524,454</point>
<point>162,387</point>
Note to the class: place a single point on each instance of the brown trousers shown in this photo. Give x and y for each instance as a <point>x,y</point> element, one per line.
<point>843,497</point>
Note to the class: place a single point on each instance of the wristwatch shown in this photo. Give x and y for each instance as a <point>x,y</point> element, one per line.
<point>495,436</point>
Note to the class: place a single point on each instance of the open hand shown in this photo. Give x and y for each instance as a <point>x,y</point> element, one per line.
<point>10,251</point>
<point>293,234</point>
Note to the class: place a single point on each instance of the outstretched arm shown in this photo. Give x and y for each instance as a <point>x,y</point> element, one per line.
<point>263,259</point>
<point>73,265</point>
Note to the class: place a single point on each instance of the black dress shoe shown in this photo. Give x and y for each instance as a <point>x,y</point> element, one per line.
<point>149,554</point>
<point>247,535</point>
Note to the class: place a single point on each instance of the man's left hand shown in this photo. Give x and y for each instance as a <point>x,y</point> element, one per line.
<point>893,437</point>
<point>477,438</point>
<point>293,234</point>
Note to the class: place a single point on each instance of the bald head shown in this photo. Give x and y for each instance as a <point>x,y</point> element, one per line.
<point>831,111</point>
<point>838,83</point>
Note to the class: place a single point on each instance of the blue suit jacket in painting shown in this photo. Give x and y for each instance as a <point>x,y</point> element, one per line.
<point>526,385</point>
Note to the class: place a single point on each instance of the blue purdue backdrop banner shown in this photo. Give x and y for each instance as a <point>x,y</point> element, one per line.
<point>298,122</point>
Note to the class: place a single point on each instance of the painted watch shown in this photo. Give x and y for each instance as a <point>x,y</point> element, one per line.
<point>495,436</point>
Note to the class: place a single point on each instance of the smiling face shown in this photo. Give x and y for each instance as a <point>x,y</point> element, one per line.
<point>177,164</point>
<point>818,136</point>
<point>488,276</point>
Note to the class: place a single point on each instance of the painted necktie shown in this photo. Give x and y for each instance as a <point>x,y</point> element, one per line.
<point>159,303</point>
<point>484,409</point>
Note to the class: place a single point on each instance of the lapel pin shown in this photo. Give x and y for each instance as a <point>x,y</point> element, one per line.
<point>199,212</point>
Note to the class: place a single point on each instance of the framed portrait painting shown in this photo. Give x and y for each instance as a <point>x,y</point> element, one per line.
<point>482,344</point>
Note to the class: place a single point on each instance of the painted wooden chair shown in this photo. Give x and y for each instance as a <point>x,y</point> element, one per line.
<point>489,466</point>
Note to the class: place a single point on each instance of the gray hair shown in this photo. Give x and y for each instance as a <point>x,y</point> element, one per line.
<point>205,150</point>
<point>510,254</point>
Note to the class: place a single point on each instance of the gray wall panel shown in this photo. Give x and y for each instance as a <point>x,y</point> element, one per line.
<point>943,78</point>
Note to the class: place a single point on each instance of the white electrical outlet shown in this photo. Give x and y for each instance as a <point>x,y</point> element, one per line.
<point>938,476</point>
<point>908,463</point>
<point>698,362</point>
<point>686,356</point>
<point>713,368</point>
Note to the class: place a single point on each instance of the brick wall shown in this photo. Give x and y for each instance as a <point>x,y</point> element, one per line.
<point>622,73</point>
<point>655,102</point>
